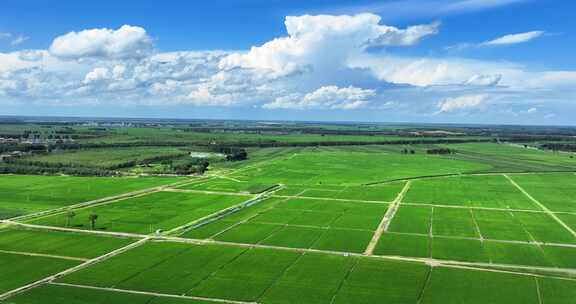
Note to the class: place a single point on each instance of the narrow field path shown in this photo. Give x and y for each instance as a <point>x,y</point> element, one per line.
<point>464,174</point>
<point>204,192</point>
<point>44,255</point>
<point>383,226</point>
<point>332,199</point>
<point>155,294</point>
<point>54,228</point>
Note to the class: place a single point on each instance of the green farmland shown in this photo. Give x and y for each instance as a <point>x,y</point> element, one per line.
<point>25,194</point>
<point>360,224</point>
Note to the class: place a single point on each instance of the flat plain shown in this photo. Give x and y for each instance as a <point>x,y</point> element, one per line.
<point>324,225</point>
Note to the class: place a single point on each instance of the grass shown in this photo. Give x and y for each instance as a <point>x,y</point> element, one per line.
<point>23,194</point>
<point>148,213</point>
<point>19,270</point>
<point>59,243</point>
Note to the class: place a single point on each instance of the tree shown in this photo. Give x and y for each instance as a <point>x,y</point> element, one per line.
<point>92,218</point>
<point>202,167</point>
<point>69,216</point>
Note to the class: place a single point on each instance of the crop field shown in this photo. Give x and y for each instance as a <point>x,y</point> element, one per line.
<point>227,185</point>
<point>321,167</point>
<point>148,213</point>
<point>333,225</point>
<point>68,244</point>
<point>555,191</point>
<point>22,194</point>
<point>492,191</point>
<point>20,269</point>
<point>301,223</point>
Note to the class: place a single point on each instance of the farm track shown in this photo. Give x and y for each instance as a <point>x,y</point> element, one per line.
<point>332,199</point>
<point>155,294</point>
<point>464,174</point>
<point>203,192</point>
<point>386,219</point>
<point>61,257</point>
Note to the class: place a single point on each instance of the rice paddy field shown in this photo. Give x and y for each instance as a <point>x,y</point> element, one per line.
<point>344,225</point>
<point>23,194</point>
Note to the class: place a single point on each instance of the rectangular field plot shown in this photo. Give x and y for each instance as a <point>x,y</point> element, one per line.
<point>544,228</point>
<point>314,278</point>
<point>454,222</point>
<point>555,191</point>
<point>158,266</point>
<point>343,167</point>
<point>517,254</point>
<point>148,213</point>
<point>563,257</point>
<point>246,277</point>
<point>412,219</point>
<point>59,243</point>
<point>473,191</point>
<point>497,225</point>
<point>18,270</point>
<point>23,194</point>
<point>459,250</point>
<point>555,291</point>
<point>403,245</point>
<point>299,223</point>
<point>228,185</point>
<point>375,281</point>
<point>58,294</point>
<point>456,286</point>
<point>380,193</point>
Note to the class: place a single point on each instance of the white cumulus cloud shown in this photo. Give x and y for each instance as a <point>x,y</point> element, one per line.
<point>325,98</point>
<point>125,42</point>
<point>324,42</point>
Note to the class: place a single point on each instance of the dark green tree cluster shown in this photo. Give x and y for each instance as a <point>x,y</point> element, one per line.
<point>441,151</point>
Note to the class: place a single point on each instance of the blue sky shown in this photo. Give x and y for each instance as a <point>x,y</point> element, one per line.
<point>480,61</point>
